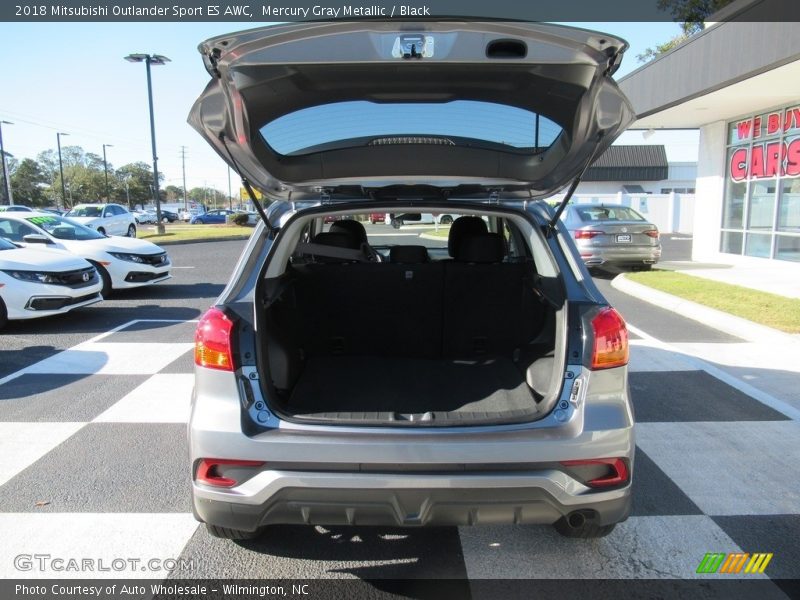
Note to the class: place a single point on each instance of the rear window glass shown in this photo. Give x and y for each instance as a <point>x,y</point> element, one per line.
<point>348,124</point>
<point>608,213</point>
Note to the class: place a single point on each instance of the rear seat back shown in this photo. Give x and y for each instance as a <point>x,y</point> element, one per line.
<point>490,307</point>
<point>377,309</point>
<point>471,306</point>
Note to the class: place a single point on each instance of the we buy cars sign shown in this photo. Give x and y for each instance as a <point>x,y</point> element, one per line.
<point>769,158</point>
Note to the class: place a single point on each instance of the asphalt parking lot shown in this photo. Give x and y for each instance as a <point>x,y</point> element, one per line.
<point>93,462</point>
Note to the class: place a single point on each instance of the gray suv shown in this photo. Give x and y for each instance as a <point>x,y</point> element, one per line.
<point>464,374</point>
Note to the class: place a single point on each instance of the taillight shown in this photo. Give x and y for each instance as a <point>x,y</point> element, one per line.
<point>587,234</point>
<point>210,470</point>
<point>653,233</point>
<point>610,340</point>
<point>212,341</point>
<point>605,472</point>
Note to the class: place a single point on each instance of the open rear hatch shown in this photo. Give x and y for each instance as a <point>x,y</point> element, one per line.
<point>395,111</point>
<point>356,106</point>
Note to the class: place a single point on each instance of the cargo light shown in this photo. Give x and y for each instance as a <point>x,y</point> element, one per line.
<point>610,340</point>
<point>212,341</point>
<point>209,472</point>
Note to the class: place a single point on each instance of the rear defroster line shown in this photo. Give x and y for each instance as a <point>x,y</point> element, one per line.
<point>763,397</point>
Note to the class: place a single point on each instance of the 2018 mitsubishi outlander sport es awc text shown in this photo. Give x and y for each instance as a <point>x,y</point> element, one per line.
<point>406,379</point>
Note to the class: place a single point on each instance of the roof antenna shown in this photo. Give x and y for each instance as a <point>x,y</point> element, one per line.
<point>247,186</point>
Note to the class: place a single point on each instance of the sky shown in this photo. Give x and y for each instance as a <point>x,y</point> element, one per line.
<point>72,78</point>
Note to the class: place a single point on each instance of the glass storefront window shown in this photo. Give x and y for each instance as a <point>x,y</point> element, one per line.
<point>788,248</point>
<point>733,207</point>
<point>758,244</point>
<point>789,206</point>
<point>762,185</point>
<point>731,242</point>
<point>761,210</point>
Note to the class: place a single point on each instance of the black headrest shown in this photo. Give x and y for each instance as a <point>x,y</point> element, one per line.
<point>352,227</point>
<point>463,227</point>
<point>483,248</point>
<point>408,254</point>
<point>337,240</point>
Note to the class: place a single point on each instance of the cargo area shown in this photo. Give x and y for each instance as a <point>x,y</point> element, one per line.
<point>410,339</point>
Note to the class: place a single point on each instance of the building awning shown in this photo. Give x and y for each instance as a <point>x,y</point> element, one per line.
<point>630,163</point>
<point>633,189</point>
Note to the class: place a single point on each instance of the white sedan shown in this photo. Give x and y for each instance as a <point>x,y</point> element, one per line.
<point>39,283</point>
<point>121,262</point>
<point>108,219</point>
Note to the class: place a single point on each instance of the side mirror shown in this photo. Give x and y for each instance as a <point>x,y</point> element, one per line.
<point>36,238</point>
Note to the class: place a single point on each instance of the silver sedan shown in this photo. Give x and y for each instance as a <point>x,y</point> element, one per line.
<point>613,235</point>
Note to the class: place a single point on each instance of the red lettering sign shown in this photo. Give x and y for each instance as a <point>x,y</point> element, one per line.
<point>738,167</point>
<point>743,129</point>
<point>773,123</point>
<point>793,158</point>
<point>757,127</point>
<point>774,159</point>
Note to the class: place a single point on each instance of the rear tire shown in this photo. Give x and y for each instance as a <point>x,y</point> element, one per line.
<point>227,533</point>
<point>446,220</point>
<point>131,231</point>
<point>586,530</point>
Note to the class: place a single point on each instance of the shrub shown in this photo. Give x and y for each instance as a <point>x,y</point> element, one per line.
<point>240,219</point>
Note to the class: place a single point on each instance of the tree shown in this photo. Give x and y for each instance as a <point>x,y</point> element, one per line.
<point>208,196</point>
<point>173,193</point>
<point>134,183</point>
<point>691,14</point>
<point>29,183</point>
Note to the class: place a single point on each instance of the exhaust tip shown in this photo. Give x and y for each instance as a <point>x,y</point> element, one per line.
<point>576,520</point>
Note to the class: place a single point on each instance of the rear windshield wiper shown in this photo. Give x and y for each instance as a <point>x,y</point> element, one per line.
<point>248,187</point>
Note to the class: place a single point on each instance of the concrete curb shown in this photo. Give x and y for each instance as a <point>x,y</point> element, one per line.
<point>722,321</point>
<point>177,242</point>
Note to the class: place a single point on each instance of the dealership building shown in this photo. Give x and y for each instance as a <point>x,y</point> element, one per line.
<point>738,82</point>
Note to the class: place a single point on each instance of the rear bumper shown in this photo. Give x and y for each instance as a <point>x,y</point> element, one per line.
<point>284,497</point>
<point>619,255</point>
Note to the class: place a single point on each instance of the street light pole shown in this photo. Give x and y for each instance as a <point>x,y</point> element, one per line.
<point>3,156</point>
<point>154,59</point>
<point>105,167</point>
<point>61,170</point>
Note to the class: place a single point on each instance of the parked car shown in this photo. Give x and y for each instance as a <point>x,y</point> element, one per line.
<point>38,283</point>
<point>144,217</point>
<point>495,388</point>
<point>375,218</point>
<point>167,216</point>
<point>15,208</point>
<point>218,215</point>
<point>108,219</point>
<point>121,262</point>
<point>398,220</point>
<point>613,235</point>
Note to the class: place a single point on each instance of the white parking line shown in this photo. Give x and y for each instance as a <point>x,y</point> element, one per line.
<point>82,345</point>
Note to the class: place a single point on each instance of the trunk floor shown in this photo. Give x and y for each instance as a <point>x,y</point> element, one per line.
<point>340,384</point>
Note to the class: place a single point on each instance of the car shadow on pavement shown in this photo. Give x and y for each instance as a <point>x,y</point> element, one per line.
<point>171,291</point>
